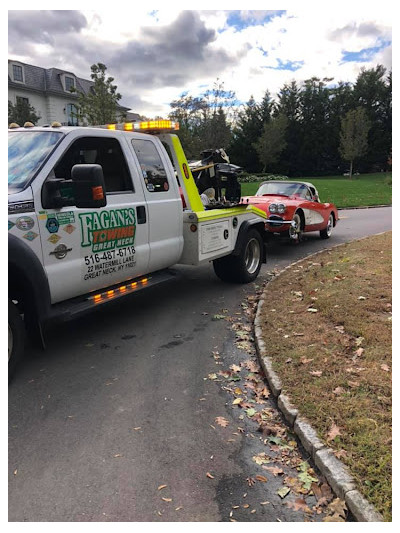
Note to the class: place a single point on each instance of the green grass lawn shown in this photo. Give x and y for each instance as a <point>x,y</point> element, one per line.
<point>362,190</point>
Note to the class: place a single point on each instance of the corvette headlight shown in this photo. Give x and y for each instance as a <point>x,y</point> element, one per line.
<point>281,208</point>
<point>273,208</point>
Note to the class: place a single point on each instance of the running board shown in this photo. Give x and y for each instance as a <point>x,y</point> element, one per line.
<point>77,306</point>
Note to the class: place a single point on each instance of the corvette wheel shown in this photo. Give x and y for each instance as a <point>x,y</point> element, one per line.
<point>327,232</point>
<point>295,228</point>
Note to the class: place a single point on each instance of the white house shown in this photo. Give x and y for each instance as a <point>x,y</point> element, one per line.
<point>48,91</point>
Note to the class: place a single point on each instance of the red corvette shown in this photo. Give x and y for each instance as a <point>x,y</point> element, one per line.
<point>293,208</point>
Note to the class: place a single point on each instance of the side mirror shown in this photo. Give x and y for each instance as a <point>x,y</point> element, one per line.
<point>89,186</point>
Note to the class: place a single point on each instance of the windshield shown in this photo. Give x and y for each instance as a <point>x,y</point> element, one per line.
<point>26,152</point>
<point>283,189</point>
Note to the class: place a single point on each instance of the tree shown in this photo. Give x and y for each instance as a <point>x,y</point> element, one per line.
<point>205,120</point>
<point>354,136</point>
<point>22,112</point>
<point>248,129</point>
<point>100,104</point>
<point>272,141</point>
<point>373,92</point>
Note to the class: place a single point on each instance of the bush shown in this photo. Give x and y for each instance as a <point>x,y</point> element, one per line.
<point>255,178</point>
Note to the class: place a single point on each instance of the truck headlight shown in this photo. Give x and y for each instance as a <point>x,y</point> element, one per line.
<point>273,208</point>
<point>281,208</point>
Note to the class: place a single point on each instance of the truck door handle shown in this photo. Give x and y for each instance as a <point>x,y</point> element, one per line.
<point>141,214</point>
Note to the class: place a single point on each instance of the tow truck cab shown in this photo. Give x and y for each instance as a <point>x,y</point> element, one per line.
<point>96,213</point>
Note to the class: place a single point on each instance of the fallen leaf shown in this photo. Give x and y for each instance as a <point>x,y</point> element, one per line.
<point>212,376</point>
<point>333,432</point>
<point>299,505</point>
<point>338,509</point>
<point>339,390</point>
<point>250,481</point>
<point>250,412</point>
<point>161,487</point>
<point>237,401</point>
<point>359,352</point>
<point>283,492</point>
<point>167,499</point>
<point>361,298</point>
<point>235,368</point>
<point>263,479</point>
<point>312,310</point>
<point>221,421</point>
<point>304,360</point>
<point>251,365</point>
<point>275,470</point>
<point>385,368</point>
<point>316,373</point>
<point>209,475</point>
<point>261,458</point>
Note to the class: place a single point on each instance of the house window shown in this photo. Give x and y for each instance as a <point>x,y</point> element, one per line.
<point>17,73</point>
<point>69,83</point>
<point>72,117</point>
<point>22,100</point>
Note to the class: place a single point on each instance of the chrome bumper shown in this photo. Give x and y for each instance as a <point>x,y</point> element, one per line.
<point>274,221</point>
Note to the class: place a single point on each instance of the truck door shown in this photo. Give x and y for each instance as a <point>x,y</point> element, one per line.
<point>165,211</point>
<point>88,249</point>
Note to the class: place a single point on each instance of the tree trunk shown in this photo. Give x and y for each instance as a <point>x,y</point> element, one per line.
<point>351,169</point>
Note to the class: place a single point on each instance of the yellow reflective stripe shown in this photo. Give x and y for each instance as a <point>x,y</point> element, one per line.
<point>187,182</point>
<point>213,214</point>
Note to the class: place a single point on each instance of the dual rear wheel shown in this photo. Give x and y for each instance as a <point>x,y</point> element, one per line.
<point>244,267</point>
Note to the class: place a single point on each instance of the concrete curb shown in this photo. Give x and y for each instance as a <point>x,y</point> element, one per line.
<point>336,473</point>
<point>363,207</point>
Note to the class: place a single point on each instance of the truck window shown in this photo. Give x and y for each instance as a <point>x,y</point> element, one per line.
<point>153,171</point>
<point>102,151</point>
<point>26,153</point>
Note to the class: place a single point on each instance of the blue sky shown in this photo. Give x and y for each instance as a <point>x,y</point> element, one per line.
<point>155,54</point>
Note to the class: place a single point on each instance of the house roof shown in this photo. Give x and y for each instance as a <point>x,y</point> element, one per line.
<point>48,80</point>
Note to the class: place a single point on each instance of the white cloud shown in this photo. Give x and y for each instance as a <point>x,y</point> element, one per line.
<point>249,61</point>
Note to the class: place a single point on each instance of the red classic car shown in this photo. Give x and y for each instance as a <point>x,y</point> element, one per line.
<point>293,207</point>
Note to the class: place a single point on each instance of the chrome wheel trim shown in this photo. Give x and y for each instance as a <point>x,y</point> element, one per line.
<point>252,256</point>
<point>329,227</point>
<point>295,228</point>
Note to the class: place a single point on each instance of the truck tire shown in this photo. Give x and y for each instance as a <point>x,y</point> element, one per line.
<point>16,338</point>
<point>242,268</point>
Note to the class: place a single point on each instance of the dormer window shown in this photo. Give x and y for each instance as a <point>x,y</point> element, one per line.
<point>69,83</point>
<point>18,74</point>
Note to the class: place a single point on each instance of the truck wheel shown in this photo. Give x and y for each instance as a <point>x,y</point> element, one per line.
<point>242,268</point>
<point>16,338</point>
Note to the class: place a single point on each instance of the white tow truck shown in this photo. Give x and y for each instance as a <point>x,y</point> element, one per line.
<point>97,213</point>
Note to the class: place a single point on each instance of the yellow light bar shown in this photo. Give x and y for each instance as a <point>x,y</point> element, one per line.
<point>157,125</point>
<point>145,126</point>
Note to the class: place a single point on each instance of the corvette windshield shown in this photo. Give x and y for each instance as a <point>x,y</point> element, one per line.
<point>26,152</point>
<point>280,188</point>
